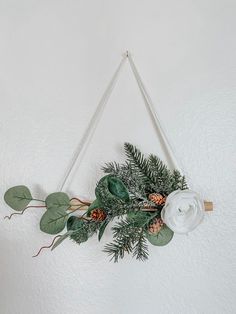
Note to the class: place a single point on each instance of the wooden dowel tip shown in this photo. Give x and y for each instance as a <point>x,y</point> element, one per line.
<point>208,206</point>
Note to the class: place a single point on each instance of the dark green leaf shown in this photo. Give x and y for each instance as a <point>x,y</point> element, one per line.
<point>18,197</point>
<point>162,238</point>
<point>117,188</point>
<point>111,190</point>
<point>53,221</point>
<point>74,223</point>
<point>61,239</point>
<point>102,229</point>
<point>58,200</point>
<point>78,228</point>
<point>80,235</point>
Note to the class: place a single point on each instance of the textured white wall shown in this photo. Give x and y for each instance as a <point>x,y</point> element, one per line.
<point>56,58</point>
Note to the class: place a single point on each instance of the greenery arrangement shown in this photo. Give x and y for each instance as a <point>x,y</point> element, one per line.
<point>133,193</point>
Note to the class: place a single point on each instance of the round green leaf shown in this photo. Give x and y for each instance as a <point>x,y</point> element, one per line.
<point>53,221</point>
<point>58,200</point>
<point>18,197</point>
<point>163,237</point>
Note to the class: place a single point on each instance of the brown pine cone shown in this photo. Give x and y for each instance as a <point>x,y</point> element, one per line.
<point>157,198</point>
<point>155,226</point>
<point>98,214</point>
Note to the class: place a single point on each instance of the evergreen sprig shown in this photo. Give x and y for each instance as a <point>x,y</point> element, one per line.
<point>129,236</point>
<point>143,176</point>
<point>128,239</point>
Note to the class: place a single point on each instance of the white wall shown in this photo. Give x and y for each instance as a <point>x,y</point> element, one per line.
<point>56,58</point>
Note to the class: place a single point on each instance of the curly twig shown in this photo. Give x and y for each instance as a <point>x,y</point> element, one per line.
<point>22,212</point>
<point>47,247</point>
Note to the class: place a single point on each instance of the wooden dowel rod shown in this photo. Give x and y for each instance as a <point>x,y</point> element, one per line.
<point>208,207</point>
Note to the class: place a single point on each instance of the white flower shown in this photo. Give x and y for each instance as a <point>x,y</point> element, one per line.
<point>183,211</point>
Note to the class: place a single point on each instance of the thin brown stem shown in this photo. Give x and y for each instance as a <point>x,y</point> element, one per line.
<point>83,218</point>
<point>82,202</point>
<point>22,212</point>
<point>80,207</point>
<point>47,247</point>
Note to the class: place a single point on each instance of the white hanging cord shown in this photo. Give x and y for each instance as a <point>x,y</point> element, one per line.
<point>149,105</point>
<point>92,126</point>
<point>83,145</point>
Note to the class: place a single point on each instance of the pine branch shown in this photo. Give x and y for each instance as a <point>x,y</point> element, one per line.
<point>178,181</point>
<point>139,162</point>
<point>88,229</point>
<point>161,174</point>
<point>129,237</point>
<point>118,248</point>
<point>183,184</point>
<point>125,172</point>
<point>112,168</point>
<point>140,250</point>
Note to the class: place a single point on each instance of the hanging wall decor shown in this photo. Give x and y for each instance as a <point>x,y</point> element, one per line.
<point>151,201</point>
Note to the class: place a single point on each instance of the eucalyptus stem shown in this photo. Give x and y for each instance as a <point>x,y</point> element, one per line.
<point>36,199</point>
<point>79,200</point>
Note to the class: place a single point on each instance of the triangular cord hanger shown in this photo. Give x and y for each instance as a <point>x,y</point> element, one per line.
<point>83,145</point>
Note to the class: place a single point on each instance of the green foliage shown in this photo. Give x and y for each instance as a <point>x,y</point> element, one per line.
<point>78,226</point>
<point>82,229</point>
<point>110,190</point>
<point>143,176</point>
<point>129,236</point>
<point>61,239</point>
<point>74,223</point>
<point>18,197</point>
<point>163,237</point>
<point>117,188</point>
<point>140,250</point>
<point>102,229</point>
<point>123,193</point>
<point>112,196</point>
<point>53,221</point>
<point>80,235</point>
<point>58,200</point>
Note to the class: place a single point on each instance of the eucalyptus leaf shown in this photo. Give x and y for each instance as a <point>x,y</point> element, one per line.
<point>61,239</point>
<point>18,197</point>
<point>57,200</point>
<point>102,229</point>
<point>163,237</point>
<point>53,221</point>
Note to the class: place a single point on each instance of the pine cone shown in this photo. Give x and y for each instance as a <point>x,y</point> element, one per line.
<point>157,198</point>
<point>98,214</point>
<point>155,226</point>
